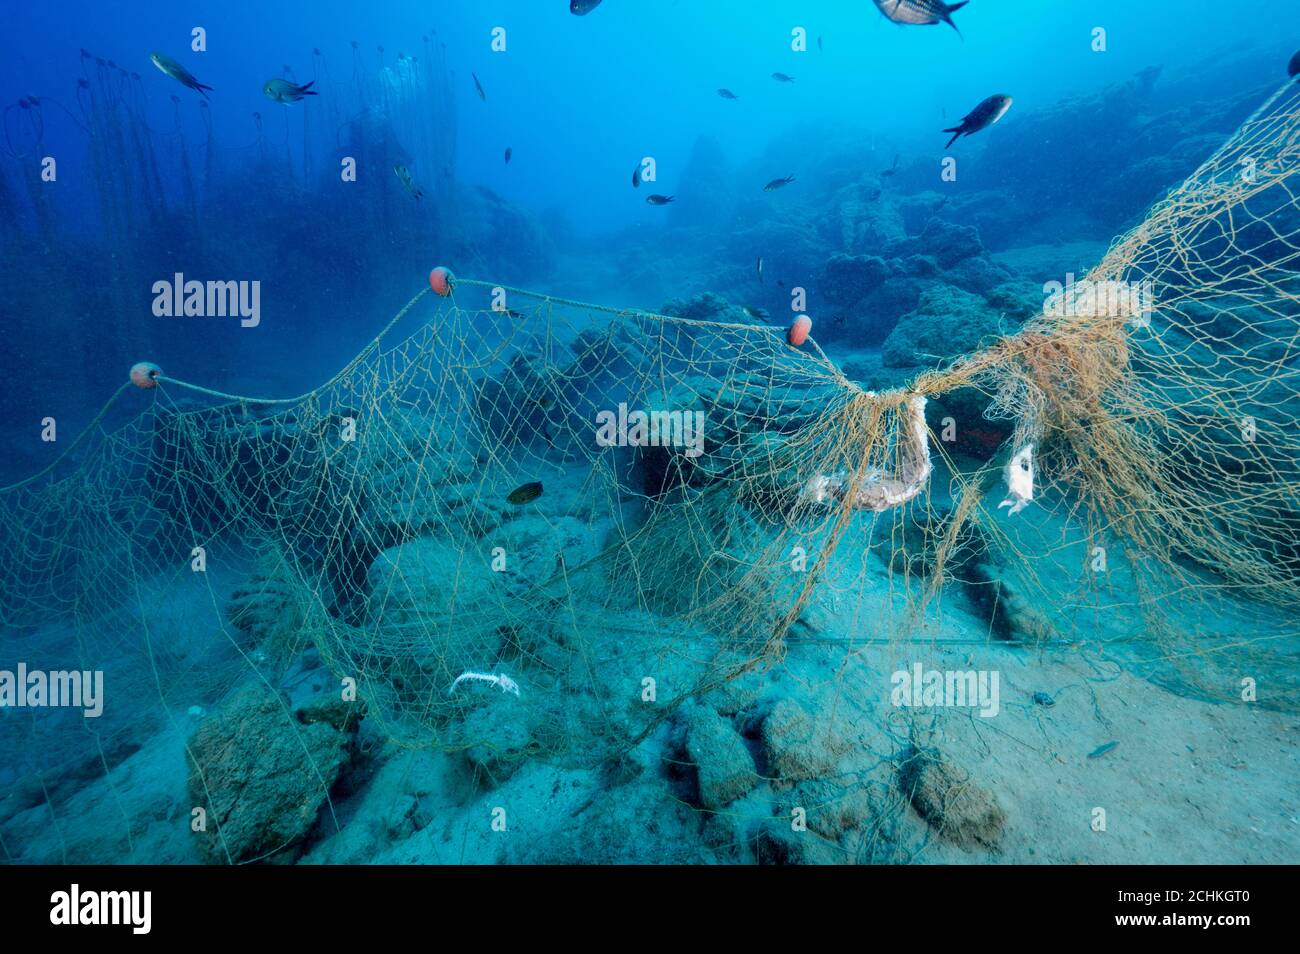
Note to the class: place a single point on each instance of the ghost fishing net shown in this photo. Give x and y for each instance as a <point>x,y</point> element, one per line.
<point>513,500</point>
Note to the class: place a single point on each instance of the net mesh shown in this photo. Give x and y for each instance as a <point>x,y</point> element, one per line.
<point>391,517</point>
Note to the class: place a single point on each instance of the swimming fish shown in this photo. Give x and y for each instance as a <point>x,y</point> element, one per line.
<point>479,86</point>
<point>756,313</point>
<point>1102,749</point>
<point>1043,699</point>
<point>580,8</point>
<point>819,45</point>
<point>636,176</point>
<point>981,117</point>
<point>283,91</point>
<point>404,176</point>
<point>727,94</point>
<point>782,78</point>
<point>659,199</point>
<point>179,73</point>
<point>525,493</point>
<point>778,184</point>
<point>920,12</point>
<point>509,153</point>
<point>759,268</point>
<point>1293,68</point>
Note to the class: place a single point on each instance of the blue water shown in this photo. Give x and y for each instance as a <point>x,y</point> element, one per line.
<point>579,100</point>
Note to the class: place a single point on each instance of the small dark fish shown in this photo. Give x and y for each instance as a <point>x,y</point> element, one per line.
<point>819,45</point>
<point>580,8</point>
<point>981,117</point>
<point>1043,699</point>
<point>479,86</point>
<point>659,199</point>
<point>1102,749</point>
<point>179,73</point>
<point>525,493</point>
<point>509,153</point>
<point>782,78</point>
<point>778,184</point>
<point>1293,68</point>
<point>545,402</point>
<point>780,283</point>
<point>408,183</point>
<point>920,12</point>
<point>636,176</point>
<point>727,94</point>
<point>284,92</point>
<point>759,268</point>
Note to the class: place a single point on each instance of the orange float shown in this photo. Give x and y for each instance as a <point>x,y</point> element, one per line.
<point>145,375</point>
<point>799,331</point>
<point>441,280</point>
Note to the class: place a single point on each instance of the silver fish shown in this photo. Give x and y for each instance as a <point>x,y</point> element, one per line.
<point>179,73</point>
<point>283,91</point>
<point>404,176</point>
<point>920,12</point>
<point>981,117</point>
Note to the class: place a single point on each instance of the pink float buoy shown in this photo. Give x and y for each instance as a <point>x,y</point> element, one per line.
<point>145,375</point>
<point>799,331</point>
<point>441,279</point>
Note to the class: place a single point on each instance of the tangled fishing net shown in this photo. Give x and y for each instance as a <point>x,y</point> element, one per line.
<point>392,518</point>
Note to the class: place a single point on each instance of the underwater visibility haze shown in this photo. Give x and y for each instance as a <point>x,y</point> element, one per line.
<point>611,432</point>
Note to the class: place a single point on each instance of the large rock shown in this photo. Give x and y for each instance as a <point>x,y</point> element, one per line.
<point>799,746</point>
<point>946,322</point>
<point>722,763</point>
<point>847,278</point>
<point>955,807</point>
<point>263,775</point>
<point>946,243</point>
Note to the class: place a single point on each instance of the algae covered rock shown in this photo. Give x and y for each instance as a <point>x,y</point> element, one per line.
<point>798,746</point>
<point>946,322</point>
<point>849,277</point>
<point>723,765</point>
<point>954,806</point>
<point>946,243</point>
<point>262,775</point>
